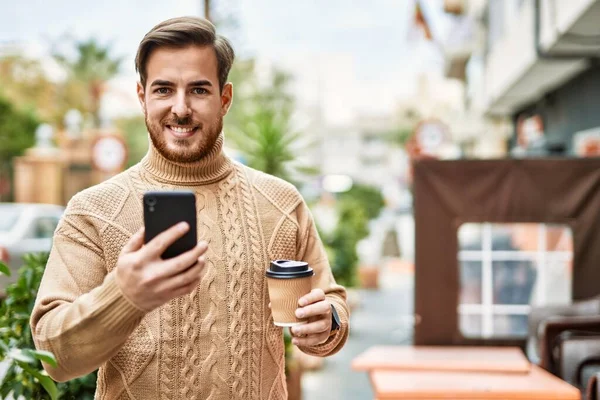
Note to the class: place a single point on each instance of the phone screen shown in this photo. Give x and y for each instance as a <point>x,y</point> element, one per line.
<point>162,210</point>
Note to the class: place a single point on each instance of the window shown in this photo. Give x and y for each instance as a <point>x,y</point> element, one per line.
<point>507,268</point>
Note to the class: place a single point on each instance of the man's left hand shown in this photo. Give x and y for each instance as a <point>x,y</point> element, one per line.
<point>317,309</point>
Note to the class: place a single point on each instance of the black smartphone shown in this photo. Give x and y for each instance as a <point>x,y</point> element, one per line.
<point>162,210</point>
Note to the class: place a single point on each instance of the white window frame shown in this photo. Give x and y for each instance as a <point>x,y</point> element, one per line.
<point>487,309</point>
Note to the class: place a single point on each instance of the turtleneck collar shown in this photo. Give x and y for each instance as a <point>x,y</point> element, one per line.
<point>213,167</point>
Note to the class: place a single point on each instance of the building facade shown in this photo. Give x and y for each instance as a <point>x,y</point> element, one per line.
<point>541,71</point>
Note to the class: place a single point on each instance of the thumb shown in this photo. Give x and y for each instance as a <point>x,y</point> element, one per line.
<point>135,242</point>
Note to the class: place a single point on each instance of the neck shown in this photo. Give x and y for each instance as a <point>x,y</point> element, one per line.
<point>211,168</point>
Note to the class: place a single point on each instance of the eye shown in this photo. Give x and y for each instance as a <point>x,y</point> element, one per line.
<point>199,91</point>
<point>162,90</point>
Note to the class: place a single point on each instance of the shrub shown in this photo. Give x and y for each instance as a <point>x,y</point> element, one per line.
<point>354,209</point>
<point>25,376</point>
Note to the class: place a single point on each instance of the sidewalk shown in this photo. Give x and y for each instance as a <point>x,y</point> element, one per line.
<point>384,316</point>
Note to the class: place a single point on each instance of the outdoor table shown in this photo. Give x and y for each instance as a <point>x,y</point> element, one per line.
<point>538,384</point>
<point>458,372</point>
<point>443,358</point>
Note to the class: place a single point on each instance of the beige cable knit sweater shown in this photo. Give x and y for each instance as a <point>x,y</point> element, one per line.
<point>218,342</point>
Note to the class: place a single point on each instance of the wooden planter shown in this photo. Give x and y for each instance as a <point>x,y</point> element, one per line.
<point>293,378</point>
<point>368,277</point>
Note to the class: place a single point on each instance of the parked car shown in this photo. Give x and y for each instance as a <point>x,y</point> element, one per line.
<point>25,228</point>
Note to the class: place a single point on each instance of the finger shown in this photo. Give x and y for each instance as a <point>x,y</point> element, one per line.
<point>187,288</point>
<point>195,281</point>
<point>322,325</point>
<point>157,246</point>
<point>191,274</point>
<point>182,262</point>
<point>313,310</point>
<point>310,340</point>
<point>135,242</point>
<point>314,296</point>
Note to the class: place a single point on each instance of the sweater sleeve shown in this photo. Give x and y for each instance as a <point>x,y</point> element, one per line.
<point>80,314</point>
<point>312,251</point>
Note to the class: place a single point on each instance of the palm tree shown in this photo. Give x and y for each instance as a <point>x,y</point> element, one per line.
<point>260,125</point>
<point>91,69</point>
<point>24,83</point>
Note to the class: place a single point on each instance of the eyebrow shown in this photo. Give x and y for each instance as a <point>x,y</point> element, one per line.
<point>202,82</point>
<point>160,82</point>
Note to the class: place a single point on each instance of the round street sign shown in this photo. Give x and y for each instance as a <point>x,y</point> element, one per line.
<point>431,135</point>
<point>109,153</point>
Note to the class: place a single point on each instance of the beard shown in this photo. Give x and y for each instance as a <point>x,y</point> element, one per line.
<point>188,150</point>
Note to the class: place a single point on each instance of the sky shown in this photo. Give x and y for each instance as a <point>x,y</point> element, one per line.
<point>347,59</point>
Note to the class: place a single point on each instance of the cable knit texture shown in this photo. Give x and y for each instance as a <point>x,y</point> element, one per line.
<point>218,342</point>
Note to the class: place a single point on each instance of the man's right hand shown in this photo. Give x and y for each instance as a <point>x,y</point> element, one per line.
<point>147,280</point>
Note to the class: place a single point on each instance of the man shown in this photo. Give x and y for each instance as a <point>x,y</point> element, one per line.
<point>160,329</point>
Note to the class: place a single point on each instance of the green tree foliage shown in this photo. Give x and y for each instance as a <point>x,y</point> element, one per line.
<point>91,69</point>
<point>367,197</point>
<point>25,376</point>
<point>354,208</point>
<point>259,125</point>
<point>351,227</point>
<point>24,82</point>
<point>17,130</point>
<point>136,136</point>
<point>399,136</point>
<point>17,133</point>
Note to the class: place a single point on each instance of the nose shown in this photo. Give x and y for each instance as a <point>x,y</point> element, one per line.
<point>181,107</point>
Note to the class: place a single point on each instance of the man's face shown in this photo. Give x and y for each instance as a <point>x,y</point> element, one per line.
<point>182,103</point>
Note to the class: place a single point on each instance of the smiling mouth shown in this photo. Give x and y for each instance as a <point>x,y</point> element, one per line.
<point>182,131</point>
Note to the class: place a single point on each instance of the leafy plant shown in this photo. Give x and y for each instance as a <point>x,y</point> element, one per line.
<point>17,129</point>
<point>367,197</point>
<point>17,133</point>
<point>354,208</point>
<point>351,227</point>
<point>25,376</point>
<point>399,136</point>
<point>82,388</point>
<point>136,136</point>
<point>260,124</point>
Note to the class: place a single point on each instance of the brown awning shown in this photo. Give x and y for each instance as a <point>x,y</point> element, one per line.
<point>450,193</point>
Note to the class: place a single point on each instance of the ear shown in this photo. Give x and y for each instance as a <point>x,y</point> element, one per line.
<point>140,94</point>
<point>226,98</point>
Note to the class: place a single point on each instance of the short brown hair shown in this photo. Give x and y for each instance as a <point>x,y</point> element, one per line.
<point>183,32</point>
